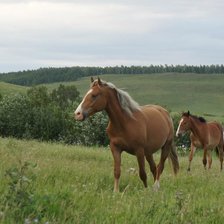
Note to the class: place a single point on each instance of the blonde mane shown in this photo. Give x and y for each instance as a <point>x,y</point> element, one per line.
<point>126,102</point>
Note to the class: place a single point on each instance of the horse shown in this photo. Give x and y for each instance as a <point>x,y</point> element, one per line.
<point>206,135</point>
<point>137,130</point>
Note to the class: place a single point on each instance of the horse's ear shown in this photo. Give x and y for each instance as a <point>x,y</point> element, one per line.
<point>99,81</point>
<point>188,113</point>
<point>92,79</point>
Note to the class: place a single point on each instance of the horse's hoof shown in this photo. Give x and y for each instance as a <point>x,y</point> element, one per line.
<point>156,186</point>
<point>188,169</point>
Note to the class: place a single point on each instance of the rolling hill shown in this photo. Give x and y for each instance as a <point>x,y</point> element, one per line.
<point>7,88</point>
<point>202,94</point>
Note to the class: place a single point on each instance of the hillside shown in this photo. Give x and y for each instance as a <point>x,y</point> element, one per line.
<point>73,184</point>
<point>7,88</point>
<point>202,94</point>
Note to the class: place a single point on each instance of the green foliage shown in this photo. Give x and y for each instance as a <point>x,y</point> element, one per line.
<point>92,131</point>
<point>65,95</point>
<point>47,116</point>
<point>39,96</point>
<point>14,115</point>
<point>19,195</point>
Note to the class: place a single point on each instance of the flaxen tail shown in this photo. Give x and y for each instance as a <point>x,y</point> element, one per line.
<point>174,159</point>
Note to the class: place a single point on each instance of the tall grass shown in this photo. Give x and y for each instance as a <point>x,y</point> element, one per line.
<point>74,184</point>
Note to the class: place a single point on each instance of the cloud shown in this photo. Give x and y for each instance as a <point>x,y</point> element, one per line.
<point>65,33</point>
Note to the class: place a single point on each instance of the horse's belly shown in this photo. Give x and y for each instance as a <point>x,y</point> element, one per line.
<point>197,143</point>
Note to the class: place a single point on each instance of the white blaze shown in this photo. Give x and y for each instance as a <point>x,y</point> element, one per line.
<point>79,108</point>
<point>178,129</point>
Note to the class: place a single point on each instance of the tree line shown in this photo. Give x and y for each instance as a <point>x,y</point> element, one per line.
<point>50,75</point>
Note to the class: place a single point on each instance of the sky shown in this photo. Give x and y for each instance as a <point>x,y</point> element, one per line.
<point>51,33</point>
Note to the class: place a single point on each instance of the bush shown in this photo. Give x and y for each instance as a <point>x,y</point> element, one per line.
<point>15,114</point>
<point>47,116</point>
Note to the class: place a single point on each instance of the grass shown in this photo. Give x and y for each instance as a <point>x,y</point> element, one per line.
<point>74,184</point>
<point>202,94</point>
<point>7,88</point>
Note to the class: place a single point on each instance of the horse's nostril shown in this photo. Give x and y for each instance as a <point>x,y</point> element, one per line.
<point>78,113</point>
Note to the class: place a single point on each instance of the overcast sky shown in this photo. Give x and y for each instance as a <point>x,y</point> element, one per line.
<point>51,33</point>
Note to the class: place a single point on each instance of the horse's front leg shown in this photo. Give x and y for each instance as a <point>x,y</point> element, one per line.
<point>191,155</point>
<point>204,157</point>
<point>116,152</point>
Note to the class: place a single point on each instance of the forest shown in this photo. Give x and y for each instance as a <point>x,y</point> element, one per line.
<point>51,75</point>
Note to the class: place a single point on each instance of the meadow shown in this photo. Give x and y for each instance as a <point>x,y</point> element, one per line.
<point>55,183</point>
<point>7,88</point>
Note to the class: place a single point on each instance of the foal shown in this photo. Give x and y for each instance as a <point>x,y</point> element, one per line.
<point>206,135</point>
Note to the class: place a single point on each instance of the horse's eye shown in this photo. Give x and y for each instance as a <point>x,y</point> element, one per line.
<point>94,96</point>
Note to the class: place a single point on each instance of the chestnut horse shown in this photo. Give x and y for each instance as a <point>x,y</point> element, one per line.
<point>140,131</point>
<point>206,135</point>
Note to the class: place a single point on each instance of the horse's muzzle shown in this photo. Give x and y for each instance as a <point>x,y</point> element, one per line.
<point>81,116</point>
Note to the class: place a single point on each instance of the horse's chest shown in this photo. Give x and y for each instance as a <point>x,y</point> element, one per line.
<point>122,141</point>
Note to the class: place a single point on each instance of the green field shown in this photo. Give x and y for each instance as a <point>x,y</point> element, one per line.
<point>74,184</point>
<point>7,88</point>
<point>202,94</point>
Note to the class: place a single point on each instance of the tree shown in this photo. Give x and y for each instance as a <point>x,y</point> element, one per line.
<point>65,96</point>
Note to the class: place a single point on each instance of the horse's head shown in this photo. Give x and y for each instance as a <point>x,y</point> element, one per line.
<point>95,100</point>
<point>184,124</point>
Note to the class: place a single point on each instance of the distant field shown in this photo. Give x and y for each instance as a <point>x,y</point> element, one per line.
<point>202,94</point>
<point>74,184</point>
<point>7,88</point>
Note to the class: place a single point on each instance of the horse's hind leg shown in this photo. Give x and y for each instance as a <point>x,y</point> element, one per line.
<point>152,165</point>
<point>221,151</point>
<point>204,160</point>
<point>165,151</point>
<point>209,156</point>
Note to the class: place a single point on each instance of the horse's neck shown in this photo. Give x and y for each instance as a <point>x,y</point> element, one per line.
<point>197,128</point>
<point>116,115</point>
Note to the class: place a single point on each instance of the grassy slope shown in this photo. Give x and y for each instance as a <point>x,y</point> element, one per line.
<point>79,182</point>
<point>7,88</point>
<point>201,94</point>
